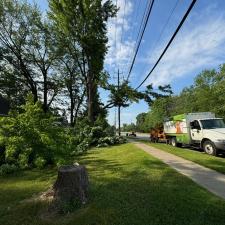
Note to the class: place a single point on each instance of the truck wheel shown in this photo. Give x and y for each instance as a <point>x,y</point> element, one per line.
<point>179,145</point>
<point>209,148</point>
<point>174,142</point>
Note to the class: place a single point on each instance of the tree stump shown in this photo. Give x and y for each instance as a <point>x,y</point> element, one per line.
<point>71,184</point>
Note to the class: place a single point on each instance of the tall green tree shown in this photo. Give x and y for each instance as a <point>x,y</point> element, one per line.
<point>82,23</point>
<point>140,122</point>
<point>122,96</point>
<point>73,91</point>
<point>16,22</point>
<point>150,94</point>
<point>26,52</point>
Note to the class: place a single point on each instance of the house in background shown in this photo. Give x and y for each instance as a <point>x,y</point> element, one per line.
<point>4,107</point>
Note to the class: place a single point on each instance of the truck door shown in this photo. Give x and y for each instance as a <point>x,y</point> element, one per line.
<point>196,131</point>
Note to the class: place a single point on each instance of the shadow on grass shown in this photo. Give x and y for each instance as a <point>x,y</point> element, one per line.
<point>128,187</point>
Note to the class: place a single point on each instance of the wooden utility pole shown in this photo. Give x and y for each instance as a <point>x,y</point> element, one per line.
<point>119,104</point>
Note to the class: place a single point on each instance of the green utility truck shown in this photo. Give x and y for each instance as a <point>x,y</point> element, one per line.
<point>201,129</point>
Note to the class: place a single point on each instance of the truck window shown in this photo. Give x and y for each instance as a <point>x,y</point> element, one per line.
<point>213,123</point>
<point>195,125</point>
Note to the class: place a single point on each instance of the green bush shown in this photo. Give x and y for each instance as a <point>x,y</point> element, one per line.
<point>96,133</point>
<point>82,147</point>
<point>32,135</point>
<point>32,138</point>
<point>40,162</point>
<point>8,169</point>
<point>106,141</point>
<point>60,162</point>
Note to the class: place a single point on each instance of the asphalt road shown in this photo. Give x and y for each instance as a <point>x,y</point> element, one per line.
<point>140,136</point>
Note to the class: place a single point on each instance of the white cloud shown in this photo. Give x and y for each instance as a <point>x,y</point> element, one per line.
<point>199,45</point>
<point>120,47</point>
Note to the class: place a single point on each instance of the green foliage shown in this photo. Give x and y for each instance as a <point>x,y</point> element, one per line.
<point>40,162</point>
<point>111,131</point>
<point>150,95</point>
<point>32,138</point>
<point>81,28</point>
<point>82,147</point>
<point>159,111</point>
<point>206,94</point>
<point>6,169</point>
<point>95,136</point>
<point>129,127</point>
<point>140,122</point>
<point>123,96</point>
<point>27,42</point>
<point>106,141</point>
<point>60,162</point>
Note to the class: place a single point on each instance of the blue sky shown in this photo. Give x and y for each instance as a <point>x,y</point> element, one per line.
<point>199,45</point>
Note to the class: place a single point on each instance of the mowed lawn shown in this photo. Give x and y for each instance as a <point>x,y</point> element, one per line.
<point>127,187</point>
<point>212,162</point>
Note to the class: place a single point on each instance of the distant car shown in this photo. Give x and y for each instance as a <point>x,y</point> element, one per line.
<point>133,134</point>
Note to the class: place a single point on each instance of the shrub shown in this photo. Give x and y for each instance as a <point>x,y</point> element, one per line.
<point>96,133</point>
<point>60,162</point>
<point>120,140</point>
<point>32,137</point>
<point>82,147</point>
<point>110,131</point>
<point>40,162</point>
<point>7,169</point>
<point>105,141</point>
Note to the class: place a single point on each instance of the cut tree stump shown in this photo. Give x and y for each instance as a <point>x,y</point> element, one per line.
<point>71,184</point>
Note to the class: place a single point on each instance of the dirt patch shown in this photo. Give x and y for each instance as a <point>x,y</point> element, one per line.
<point>46,196</point>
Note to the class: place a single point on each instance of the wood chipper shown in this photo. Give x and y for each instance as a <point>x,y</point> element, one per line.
<point>157,134</point>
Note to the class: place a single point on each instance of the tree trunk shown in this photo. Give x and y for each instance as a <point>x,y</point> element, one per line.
<point>90,102</point>
<point>45,105</point>
<point>34,93</point>
<point>78,108</point>
<point>72,105</point>
<point>71,184</point>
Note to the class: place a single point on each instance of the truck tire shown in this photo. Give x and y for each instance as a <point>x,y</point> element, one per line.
<point>173,141</point>
<point>209,148</point>
<point>179,145</point>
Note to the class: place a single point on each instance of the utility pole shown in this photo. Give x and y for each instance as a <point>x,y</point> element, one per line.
<point>119,104</point>
<point>115,120</point>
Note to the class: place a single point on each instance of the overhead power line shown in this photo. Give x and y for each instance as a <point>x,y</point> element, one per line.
<point>139,30</point>
<point>143,19</point>
<point>165,25</point>
<point>140,38</point>
<point>116,37</point>
<point>170,41</point>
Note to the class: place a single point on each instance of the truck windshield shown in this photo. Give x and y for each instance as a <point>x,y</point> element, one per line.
<point>212,124</point>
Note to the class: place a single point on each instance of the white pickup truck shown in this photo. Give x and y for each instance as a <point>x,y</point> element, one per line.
<point>197,129</point>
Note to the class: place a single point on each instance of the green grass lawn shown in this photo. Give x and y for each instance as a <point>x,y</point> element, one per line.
<point>127,187</point>
<point>212,162</point>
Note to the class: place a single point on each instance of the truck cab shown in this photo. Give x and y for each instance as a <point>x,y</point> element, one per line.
<point>209,133</point>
